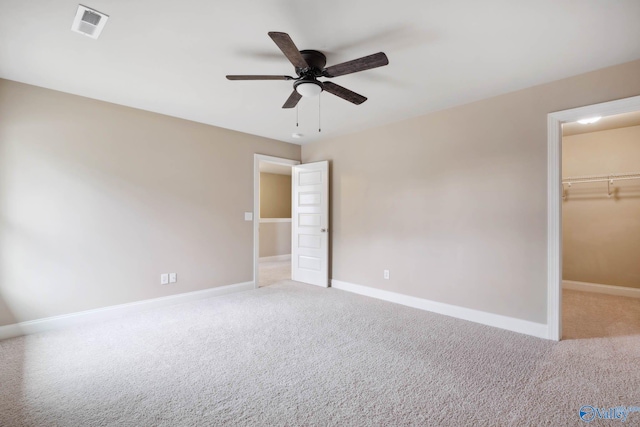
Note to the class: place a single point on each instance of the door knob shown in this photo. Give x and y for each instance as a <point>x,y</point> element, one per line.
<point>323,230</point>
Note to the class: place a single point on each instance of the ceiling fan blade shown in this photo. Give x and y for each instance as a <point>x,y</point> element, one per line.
<point>343,93</point>
<point>293,99</point>
<point>365,63</point>
<point>289,49</point>
<point>241,77</point>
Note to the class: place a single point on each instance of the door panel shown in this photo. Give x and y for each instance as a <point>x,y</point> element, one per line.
<point>310,236</point>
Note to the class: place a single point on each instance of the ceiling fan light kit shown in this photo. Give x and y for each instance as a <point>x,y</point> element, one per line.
<point>309,65</point>
<point>308,88</point>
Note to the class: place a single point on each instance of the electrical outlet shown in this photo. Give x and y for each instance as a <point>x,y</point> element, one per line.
<point>173,277</point>
<point>164,279</point>
<point>386,274</point>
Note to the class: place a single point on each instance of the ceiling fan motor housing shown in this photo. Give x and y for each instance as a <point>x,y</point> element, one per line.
<point>316,61</point>
<point>307,84</point>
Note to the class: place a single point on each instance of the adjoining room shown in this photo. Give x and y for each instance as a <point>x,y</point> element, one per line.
<point>275,223</point>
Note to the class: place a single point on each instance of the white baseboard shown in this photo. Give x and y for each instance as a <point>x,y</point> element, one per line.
<point>601,289</point>
<point>286,257</point>
<point>114,311</point>
<point>539,330</point>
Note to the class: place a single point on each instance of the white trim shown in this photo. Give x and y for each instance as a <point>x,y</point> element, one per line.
<point>114,311</point>
<point>554,227</point>
<point>539,330</point>
<point>622,291</point>
<point>554,203</point>
<point>257,158</point>
<point>286,257</point>
<point>275,220</point>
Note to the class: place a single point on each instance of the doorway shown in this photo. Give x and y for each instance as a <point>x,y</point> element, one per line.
<point>308,223</point>
<point>272,224</point>
<point>557,184</point>
<point>601,227</point>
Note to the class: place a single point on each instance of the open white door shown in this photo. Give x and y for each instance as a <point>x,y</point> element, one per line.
<point>310,222</point>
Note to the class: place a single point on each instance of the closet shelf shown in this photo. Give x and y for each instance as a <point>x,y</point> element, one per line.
<point>600,178</point>
<point>609,179</point>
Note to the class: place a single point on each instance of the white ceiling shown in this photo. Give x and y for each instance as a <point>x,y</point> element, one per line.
<point>171,57</point>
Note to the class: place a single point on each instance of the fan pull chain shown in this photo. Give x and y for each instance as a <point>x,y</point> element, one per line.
<point>296,115</point>
<point>319,127</point>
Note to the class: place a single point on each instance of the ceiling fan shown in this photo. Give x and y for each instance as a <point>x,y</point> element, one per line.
<point>310,65</point>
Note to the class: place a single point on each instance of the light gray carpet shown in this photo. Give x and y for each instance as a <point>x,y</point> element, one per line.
<point>293,354</point>
<point>271,272</point>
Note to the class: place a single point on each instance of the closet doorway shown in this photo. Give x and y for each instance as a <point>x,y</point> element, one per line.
<point>601,226</point>
<point>559,197</point>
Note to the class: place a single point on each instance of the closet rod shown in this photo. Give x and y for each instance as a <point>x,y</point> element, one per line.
<point>601,178</point>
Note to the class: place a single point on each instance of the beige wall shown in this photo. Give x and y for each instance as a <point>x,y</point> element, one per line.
<point>601,235</point>
<point>97,200</point>
<point>275,195</point>
<point>454,202</point>
<point>275,238</point>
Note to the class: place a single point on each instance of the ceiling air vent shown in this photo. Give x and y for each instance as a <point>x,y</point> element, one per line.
<point>89,22</point>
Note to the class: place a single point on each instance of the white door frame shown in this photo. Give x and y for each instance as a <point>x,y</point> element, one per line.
<point>554,198</point>
<point>257,158</point>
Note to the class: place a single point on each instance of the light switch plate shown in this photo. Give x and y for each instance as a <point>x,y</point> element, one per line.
<point>173,277</point>
<point>164,279</point>
<point>248,216</point>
